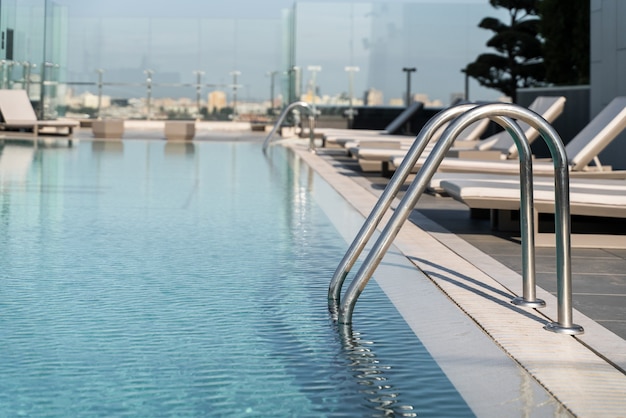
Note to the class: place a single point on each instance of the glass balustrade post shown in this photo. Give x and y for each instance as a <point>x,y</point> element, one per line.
<point>25,75</point>
<point>235,74</point>
<point>3,64</point>
<point>42,93</point>
<point>149,74</point>
<point>199,75</point>
<point>272,75</point>
<point>99,114</point>
<point>314,70</point>
<point>351,112</point>
<point>10,65</point>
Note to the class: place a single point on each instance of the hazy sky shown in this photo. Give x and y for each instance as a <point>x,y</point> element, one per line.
<point>175,38</point>
<point>206,8</point>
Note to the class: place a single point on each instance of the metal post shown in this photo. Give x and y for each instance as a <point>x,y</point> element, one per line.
<point>292,84</point>
<point>312,116</point>
<point>42,88</point>
<point>298,82</point>
<point>149,74</point>
<point>272,75</point>
<point>351,70</point>
<point>42,97</point>
<point>314,69</point>
<point>10,65</point>
<point>199,75</point>
<point>466,92</point>
<point>235,74</point>
<point>408,72</point>
<point>2,72</point>
<point>100,71</point>
<point>25,65</point>
<point>42,93</point>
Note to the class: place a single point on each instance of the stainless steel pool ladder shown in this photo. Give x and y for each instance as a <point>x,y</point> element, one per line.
<point>282,117</point>
<point>501,113</point>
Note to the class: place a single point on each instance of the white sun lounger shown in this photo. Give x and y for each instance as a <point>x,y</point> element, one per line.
<point>501,195</point>
<point>371,154</point>
<point>467,139</point>
<point>496,147</point>
<point>581,151</point>
<point>339,136</point>
<point>18,115</point>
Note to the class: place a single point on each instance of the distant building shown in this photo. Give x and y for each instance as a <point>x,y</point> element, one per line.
<point>216,101</point>
<point>309,98</point>
<point>373,97</point>
<point>421,97</point>
<point>91,100</point>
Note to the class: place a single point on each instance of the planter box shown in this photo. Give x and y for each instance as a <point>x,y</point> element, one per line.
<point>108,128</point>
<point>180,131</point>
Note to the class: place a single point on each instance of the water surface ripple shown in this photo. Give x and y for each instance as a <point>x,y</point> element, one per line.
<point>146,283</point>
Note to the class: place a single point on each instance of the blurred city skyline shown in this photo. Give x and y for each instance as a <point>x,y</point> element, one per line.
<point>124,39</point>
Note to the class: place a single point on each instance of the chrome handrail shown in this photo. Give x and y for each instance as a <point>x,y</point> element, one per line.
<point>384,202</point>
<point>564,322</point>
<point>528,298</point>
<point>282,117</point>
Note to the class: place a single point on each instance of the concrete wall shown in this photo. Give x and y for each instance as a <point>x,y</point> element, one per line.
<point>608,67</point>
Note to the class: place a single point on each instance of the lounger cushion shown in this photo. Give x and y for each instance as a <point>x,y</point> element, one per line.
<point>587,196</point>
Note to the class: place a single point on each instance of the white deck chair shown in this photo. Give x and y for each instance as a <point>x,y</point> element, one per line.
<point>550,108</point>
<point>371,153</point>
<point>581,151</point>
<point>467,139</point>
<point>18,115</point>
<point>496,147</point>
<point>358,137</point>
<point>501,195</point>
<point>392,130</point>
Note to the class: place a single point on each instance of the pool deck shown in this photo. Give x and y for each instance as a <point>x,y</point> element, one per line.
<point>479,272</point>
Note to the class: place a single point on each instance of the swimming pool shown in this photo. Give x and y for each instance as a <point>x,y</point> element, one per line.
<point>144,278</point>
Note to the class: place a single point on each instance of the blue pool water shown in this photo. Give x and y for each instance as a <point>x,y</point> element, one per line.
<point>151,279</point>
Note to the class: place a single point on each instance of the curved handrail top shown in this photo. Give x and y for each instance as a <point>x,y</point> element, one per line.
<point>399,216</point>
<point>384,201</point>
<point>502,113</point>
<point>428,130</point>
<point>548,133</point>
<point>282,116</point>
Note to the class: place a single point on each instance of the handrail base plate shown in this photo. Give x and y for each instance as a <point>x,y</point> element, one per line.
<point>560,329</point>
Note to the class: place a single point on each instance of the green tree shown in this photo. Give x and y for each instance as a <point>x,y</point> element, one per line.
<point>565,30</point>
<point>518,60</point>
